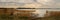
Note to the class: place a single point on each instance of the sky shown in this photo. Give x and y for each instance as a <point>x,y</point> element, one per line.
<point>31,3</point>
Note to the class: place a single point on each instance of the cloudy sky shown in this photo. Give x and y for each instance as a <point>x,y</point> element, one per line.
<point>31,3</point>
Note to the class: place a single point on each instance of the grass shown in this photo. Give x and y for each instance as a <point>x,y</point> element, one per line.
<point>9,17</point>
